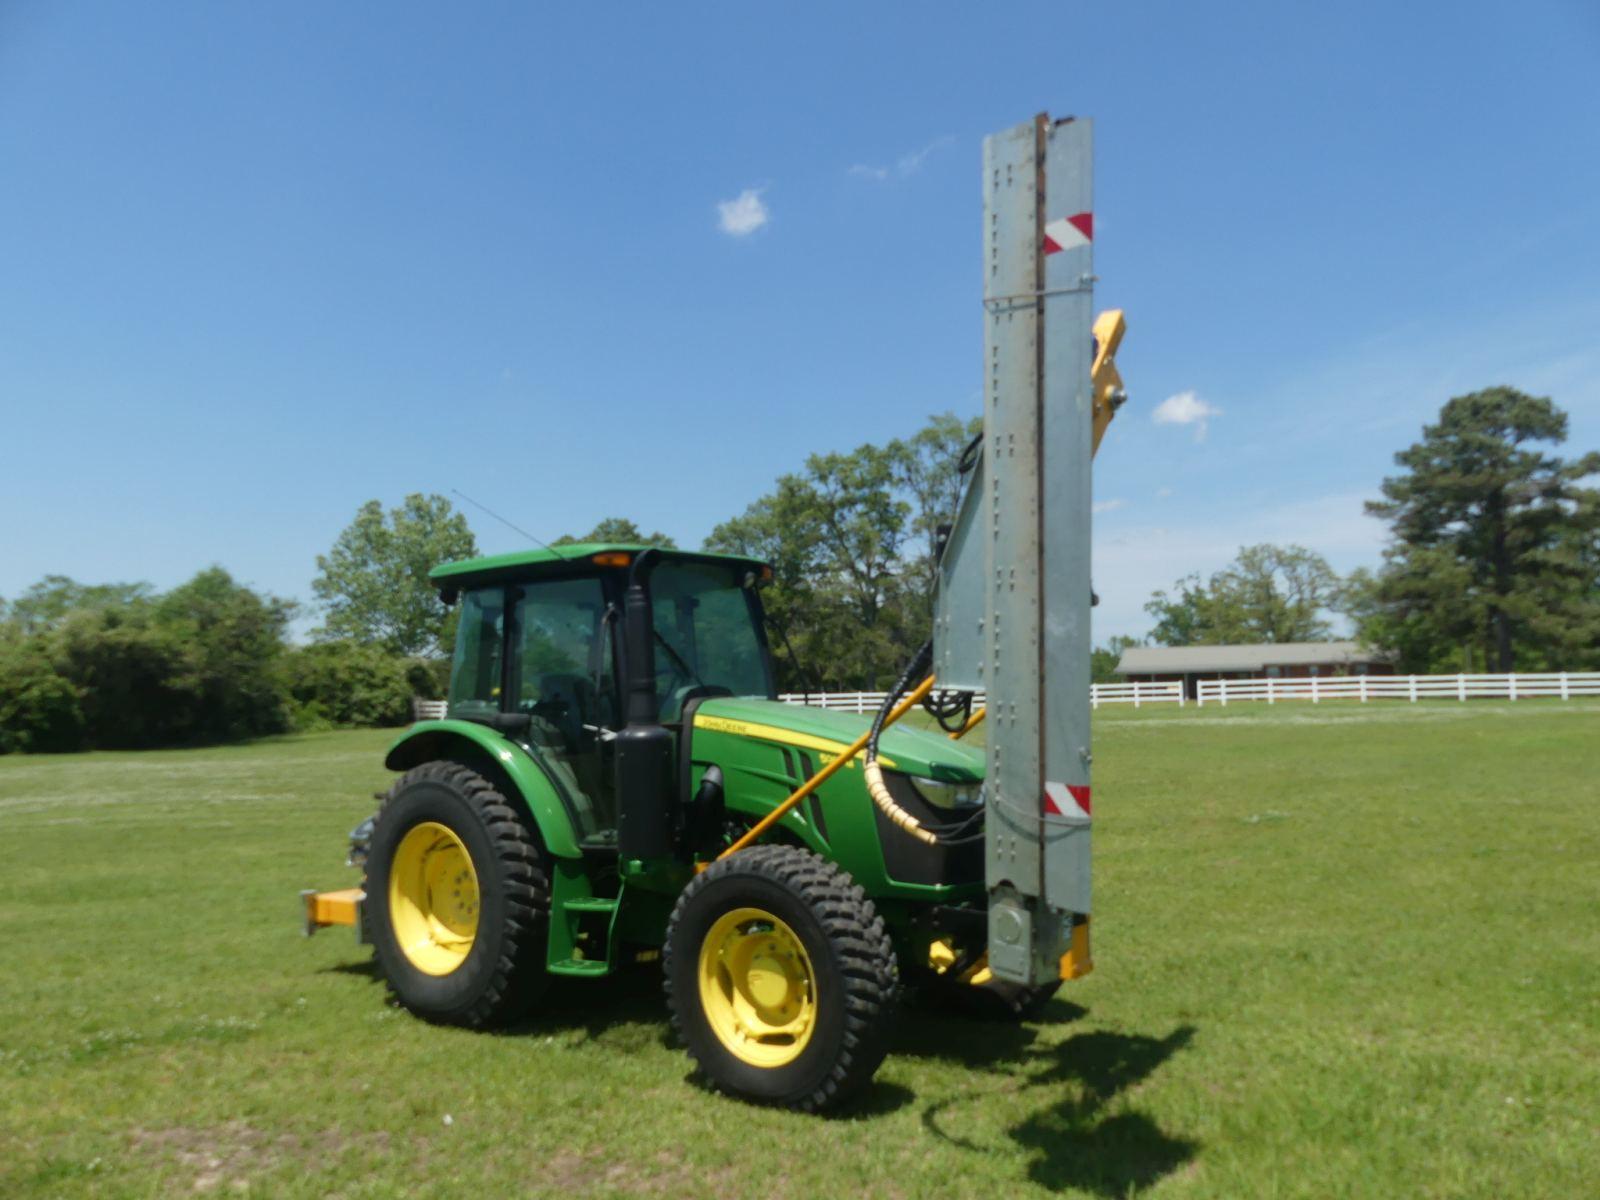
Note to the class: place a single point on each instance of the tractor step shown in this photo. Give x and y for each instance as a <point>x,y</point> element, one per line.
<point>595,904</point>
<point>576,963</point>
<point>582,927</point>
<point>590,967</point>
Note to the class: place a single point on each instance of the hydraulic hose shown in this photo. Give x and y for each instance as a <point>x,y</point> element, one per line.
<point>869,764</point>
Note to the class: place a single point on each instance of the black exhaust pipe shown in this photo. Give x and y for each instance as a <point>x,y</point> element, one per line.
<point>646,816</point>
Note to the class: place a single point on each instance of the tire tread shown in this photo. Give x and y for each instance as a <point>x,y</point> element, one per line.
<point>861,946</point>
<point>518,975</point>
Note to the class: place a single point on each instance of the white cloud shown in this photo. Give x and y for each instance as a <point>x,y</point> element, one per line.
<point>1163,493</point>
<point>744,214</point>
<point>1186,408</point>
<point>1105,506</point>
<point>906,164</point>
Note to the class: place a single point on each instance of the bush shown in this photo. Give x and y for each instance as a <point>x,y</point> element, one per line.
<point>137,683</point>
<point>234,643</point>
<point>39,710</point>
<point>200,664</point>
<point>347,683</point>
<point>308,717</point>
<point>429,677</point>
<point>117,667</point>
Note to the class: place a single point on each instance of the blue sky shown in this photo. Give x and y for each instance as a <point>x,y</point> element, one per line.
<point>260,263</point>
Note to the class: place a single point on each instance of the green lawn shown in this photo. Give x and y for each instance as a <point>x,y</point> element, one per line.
<point>1342,951</point>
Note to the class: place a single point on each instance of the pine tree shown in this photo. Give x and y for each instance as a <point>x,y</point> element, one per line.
<point>1496,541</point>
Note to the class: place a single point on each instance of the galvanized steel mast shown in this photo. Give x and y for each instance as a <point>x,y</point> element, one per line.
<point>1014,590</point>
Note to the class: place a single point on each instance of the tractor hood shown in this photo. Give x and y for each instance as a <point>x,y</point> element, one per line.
<point>902,748</point>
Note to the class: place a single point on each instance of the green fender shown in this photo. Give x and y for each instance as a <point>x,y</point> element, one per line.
<point>429,740</point>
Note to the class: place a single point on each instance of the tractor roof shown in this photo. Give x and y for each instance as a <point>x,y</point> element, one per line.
<point>558,559</point>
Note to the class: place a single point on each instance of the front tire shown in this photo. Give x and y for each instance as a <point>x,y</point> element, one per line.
<point>780,978</point>
<point>458,898</point>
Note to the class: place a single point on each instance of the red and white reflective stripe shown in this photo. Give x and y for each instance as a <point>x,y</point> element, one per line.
<point>1068,233</point>
<point>1066,799</point>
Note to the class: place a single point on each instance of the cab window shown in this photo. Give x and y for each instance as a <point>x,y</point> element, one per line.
<point>707,634</point>
<point>563,677</point>
<point>475,675</point>
<point>562,670</point>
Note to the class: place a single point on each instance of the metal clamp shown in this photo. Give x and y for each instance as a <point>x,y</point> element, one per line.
<point>1021,299</point>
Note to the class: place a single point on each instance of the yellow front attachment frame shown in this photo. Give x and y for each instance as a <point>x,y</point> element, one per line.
<point>342,907</point>
<point>1075,963</point>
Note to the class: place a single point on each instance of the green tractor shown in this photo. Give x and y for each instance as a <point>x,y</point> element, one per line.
<point>616,778</point>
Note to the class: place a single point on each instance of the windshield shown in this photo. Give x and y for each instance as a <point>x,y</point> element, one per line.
<point>707,634</point>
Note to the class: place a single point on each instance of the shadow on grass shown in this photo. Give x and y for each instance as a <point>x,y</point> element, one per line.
<point>626,1008</point>
<point>1073,1142</point>
<point>877,1100</point>
<point>630,997</point>
<point>926,1032</point>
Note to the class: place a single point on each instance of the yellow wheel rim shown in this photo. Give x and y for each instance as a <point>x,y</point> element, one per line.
<point>757,987</point>
<point>433,898</point>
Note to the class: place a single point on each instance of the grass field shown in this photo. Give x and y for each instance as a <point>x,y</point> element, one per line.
<point>1341,951</point>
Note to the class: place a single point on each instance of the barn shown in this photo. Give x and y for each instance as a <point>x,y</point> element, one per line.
<point>1269,660</point>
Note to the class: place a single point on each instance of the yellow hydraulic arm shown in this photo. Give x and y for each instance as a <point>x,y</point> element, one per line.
<point>1109,327</point>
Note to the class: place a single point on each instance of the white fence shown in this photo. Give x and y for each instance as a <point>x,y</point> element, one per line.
<point>1562,685</point>
<point>1555,685</point>
<point>856,702</point>
<point>1136,694</point>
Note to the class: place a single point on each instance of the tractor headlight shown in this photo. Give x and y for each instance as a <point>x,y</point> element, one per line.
<point>943,794</point>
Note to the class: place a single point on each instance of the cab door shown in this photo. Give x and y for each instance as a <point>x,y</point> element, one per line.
<point>563,675</point>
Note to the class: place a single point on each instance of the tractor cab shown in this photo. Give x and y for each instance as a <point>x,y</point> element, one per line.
<point>563,648</point>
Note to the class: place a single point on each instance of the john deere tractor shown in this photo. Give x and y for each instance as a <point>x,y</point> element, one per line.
<point>616,778</point>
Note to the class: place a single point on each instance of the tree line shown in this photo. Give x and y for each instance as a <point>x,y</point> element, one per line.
<point>850,537</point>
<point>1493,564</point>
<point>120,666</point>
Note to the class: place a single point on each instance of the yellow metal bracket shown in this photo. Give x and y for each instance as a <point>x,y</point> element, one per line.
<point>1109,327</point>
<point>1077,962</point>
<point>325,909</point>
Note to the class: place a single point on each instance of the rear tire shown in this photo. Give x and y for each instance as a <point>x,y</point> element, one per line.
<point>780,978</point>
<point>457,946</point>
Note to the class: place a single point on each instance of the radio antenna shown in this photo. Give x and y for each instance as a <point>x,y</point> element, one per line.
<point>509,525</point>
